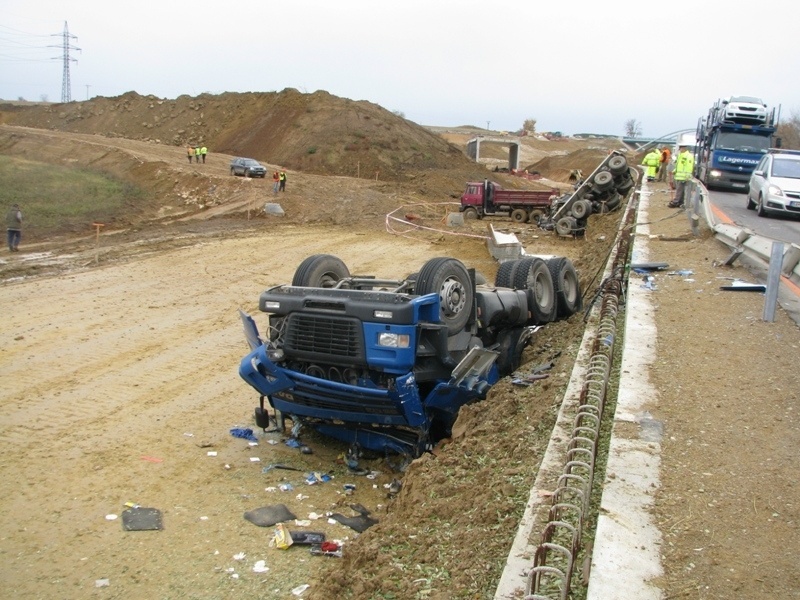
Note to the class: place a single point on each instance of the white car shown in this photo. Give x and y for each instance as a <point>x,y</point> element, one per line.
<point>745,109</point>
<point>775,184</point>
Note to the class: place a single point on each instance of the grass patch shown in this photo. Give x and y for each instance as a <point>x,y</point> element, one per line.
<point>55,198</point>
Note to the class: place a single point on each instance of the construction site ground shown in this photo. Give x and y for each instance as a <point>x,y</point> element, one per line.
<point>119,362</point>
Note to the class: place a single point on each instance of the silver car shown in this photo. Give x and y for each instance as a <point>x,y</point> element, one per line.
<point>775,184</point>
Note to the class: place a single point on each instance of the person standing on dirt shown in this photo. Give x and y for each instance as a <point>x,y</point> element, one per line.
<point>197,154</point>
<point>14,227</point>
<point>282,180</point>
<point>203,152</point>
<point>662,166</point>
<point>276,182</point>
<point>190,152</point>
<point>684,167</point>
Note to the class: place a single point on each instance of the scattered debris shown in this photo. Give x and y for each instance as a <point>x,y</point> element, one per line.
<point>360,523</point>
<point>246,434</point>
<point>307,538</point>
<point>317,477</point>
<point>99,583</point>
<point>239,556</point>
<point>281,537</point>
<point>298,591</point>
<point>111,517</point>
<point>327,549</point>
<point>268,468</point>
<point>648,267</point>
<point>142,519</point>
<point>152,459</point>
<point>267,516</point>
<point>260,567</point>
<point>737,285</point>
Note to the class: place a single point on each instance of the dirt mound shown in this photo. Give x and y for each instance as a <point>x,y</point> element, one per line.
<point>315,133</point>
<point>558,168</point>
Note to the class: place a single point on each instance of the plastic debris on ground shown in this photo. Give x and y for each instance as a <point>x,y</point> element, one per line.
<point>244,433</point>
<point>260,567</point>
<point>286,487</point>
<point>293,443</point>
<point>269,468</point>
<point>281,538</point>
<point>111,517</point>
<point>737,285</point>
<point>239,556</point>
<point>307,538</point>
<point>99,583</point>
<point>317,477</point>
<point>327,549</point>
<point>360,523</point>
<point>298,591</point>
<point>649,282</point>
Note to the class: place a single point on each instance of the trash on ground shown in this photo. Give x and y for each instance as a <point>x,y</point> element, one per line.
<point>260,567</point>
<point>394,487</point>
<point>267,516</point>
<point>298,591</point>
<point>152,459</point>
<point>111,517</point>
<point>647,267</point>
<point>307,537</point>
<point>281,537</point>
<point>131,505</point>
<point>245,434</point>
<point>293,443</point>
<point>255,459</point>
<point>318,477</point>
<point>649,282</point>
<point>211,453</point>
<point>98,583</point>
<point>360,523</point>
<point>142,519</point>
<point>286,487</point>
<point>239,556</point>
<point>302,522</point>
<point>268,468</point>
<point>542,367</point>
<point>737,285</point>
<point>682,273</point>
<point>327,549</point>
<point>314,516</point>
<point>301,497</point>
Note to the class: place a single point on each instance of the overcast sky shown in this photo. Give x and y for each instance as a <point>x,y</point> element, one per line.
<point>573,65</point>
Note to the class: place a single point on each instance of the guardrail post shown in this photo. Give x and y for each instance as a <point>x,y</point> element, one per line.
<point>773,281</point>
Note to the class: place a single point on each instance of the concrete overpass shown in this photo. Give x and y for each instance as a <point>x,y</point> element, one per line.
<point>474,149</point>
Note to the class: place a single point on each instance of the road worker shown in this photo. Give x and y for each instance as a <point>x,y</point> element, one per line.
<point>651,161</point>
<point>684,167</point>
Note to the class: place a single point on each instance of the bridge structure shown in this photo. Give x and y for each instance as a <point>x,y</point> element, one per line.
<point>640,143</point>
<point>474,149</point>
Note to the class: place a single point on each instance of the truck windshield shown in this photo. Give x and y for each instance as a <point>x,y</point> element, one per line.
<point>743,142</point>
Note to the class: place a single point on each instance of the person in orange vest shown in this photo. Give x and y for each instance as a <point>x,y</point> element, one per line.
<point>666,155</point>
<point>276,181</point>
<point>190,152</point>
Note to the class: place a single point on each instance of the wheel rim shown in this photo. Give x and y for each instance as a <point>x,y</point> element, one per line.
<point>453,297</point>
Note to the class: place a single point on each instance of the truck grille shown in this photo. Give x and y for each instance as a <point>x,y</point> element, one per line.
<point>336,340</point>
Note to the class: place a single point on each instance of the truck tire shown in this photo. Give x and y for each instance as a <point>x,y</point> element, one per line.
<point>519,215</point>
<point>623,188</point>
<point>320,270</point>
<point>602,181</point>
<point>470,213</point>
<point>565,226</point>
<point>567,286</point>
<point>510,349</point>
<point>532,274</point>
<point>617,165</point>
<point>581,209</point>
<point>504,274</point>
<point>613,201</point>
<point>448,278</point>
<point>535,215</point>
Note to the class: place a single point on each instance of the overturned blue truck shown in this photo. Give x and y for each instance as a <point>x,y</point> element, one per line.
<point>386,365</point>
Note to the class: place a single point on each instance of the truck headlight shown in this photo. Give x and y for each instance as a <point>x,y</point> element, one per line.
<point>393,340</point>
<point>275,354</point>
<point>382,314</point>
<point>271,306</point>
<point>715,173</point>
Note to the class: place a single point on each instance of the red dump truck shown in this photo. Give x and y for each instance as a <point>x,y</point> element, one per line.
<point>488,198</point>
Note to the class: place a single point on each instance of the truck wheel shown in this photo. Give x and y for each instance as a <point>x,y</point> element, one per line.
<point>510,349</point>
<point>565,226</point>
<point>624,187</point>
<point>504,274</point>
<point>532,274</point>
<point>470,213</point>
<point>519,215</point>
<point>448,278</point>
<point>320,270</point>
<point>581,209</point>
<point>602,181</point>
<point>535,215</point>
<point>617,164</point>
<point>567,286</point>
<point>613,202</point>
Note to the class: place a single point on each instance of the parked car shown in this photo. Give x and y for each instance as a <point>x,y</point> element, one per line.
<point>745,109</point>
<point>248,168</point>
<point>775,184</point>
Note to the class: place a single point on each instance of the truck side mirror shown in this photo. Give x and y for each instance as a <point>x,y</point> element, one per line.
<point>778,142</point>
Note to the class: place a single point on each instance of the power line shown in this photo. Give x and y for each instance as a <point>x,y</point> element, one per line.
<point>66,87</point>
